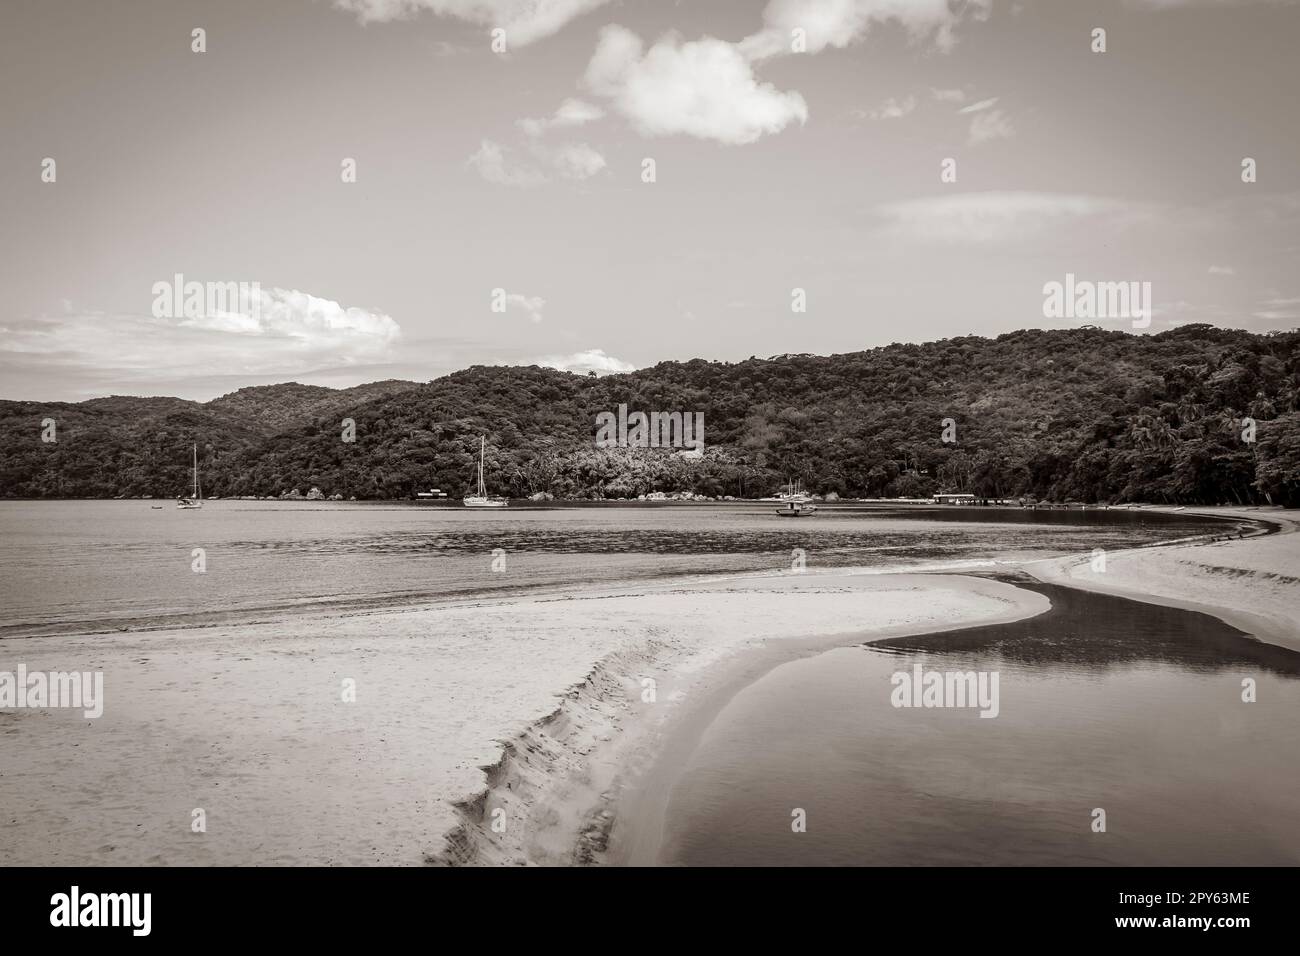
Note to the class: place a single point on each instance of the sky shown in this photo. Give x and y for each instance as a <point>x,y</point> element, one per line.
<point>501,212</point>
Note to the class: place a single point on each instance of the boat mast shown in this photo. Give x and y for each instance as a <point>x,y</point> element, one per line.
<point>196,470</point>
<point>482,445</point>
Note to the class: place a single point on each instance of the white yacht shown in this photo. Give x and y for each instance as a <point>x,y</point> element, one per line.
<point>481,499</point>
<point>196,499</point>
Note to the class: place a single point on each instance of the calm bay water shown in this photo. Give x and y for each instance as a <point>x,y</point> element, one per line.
<point>69,566</point>
<point>1104,702</point>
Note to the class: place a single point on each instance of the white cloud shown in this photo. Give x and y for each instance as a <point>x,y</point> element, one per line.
<point>838,23</point>
<point>570,160</point>
<point>981,105</point>
<point>1222,271</point>
<point>319,322</point>
<point>707,87</point>
<point>525,21</point>
<point>289,333</point>
<point>576,161</point>
<point>990,216</point>
<point>704,88</point>
<point>531,304</point>
<point>592,360</point>
<point>571,112</point>
<point>990,125</point>
<point>490,161</point>
<point>949,96</point>
<point>893,109</point>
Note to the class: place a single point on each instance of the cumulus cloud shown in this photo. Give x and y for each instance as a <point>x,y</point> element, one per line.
<point>592,360</point>
<point>525,21</point>
<point>281,332</point>
<point>704,88</point>
<point>990,125</point>
<point>839,23</point>
<point>707,87</point>
<point>991,216</point>
<point>490,161</point>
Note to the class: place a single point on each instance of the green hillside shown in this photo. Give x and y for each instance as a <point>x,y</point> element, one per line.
<point>1081,414</point>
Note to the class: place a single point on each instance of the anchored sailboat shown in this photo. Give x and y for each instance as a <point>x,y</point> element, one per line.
<point>196,499</point>
<point>481,499</point>
<point>791,491</point>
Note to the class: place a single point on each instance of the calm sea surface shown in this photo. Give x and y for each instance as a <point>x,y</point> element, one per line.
<point>1104,703</point>
<point>69,566</point>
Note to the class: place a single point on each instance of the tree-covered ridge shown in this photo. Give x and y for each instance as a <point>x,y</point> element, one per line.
<point>282,406</point>
<point>1080,414</point>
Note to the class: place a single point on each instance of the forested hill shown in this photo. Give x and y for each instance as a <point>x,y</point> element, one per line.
<point>1081,414</point>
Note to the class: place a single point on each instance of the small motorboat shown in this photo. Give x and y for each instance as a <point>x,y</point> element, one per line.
<point>796,509</point>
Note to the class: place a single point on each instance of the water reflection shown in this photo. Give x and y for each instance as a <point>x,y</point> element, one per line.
<point>1099,631</point>
<point>1105,704</point>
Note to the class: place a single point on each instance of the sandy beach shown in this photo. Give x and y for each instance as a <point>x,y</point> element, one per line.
<point>557,697</point>
<point>1250,583</point>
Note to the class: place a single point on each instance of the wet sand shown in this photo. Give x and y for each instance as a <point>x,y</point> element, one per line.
<point>1250,583</point>
<point>249,723</point>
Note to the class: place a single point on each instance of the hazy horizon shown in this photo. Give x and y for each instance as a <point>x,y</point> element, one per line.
<point>418,381</point>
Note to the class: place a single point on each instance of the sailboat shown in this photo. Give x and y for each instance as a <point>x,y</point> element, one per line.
<point>792,491</point>
<point>481,499</point>
<point>196,499</point>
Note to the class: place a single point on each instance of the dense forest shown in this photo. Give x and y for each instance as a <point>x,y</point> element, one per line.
<point>1193,415</point>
